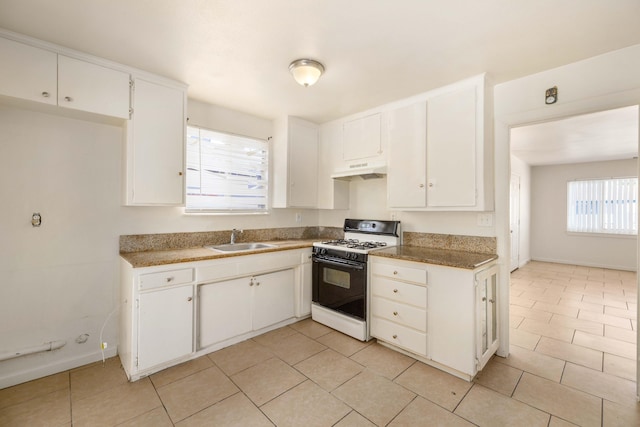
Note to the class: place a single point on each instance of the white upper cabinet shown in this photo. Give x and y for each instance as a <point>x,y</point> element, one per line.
<point>295,164</point>
<point>89,87</point>
<point>28,72</point>
<point>406,179</point>
<point>452,145</point>
<point>41,75</point>
<point>361,138</point>
<point>440,151</point>
<point>155,144</point>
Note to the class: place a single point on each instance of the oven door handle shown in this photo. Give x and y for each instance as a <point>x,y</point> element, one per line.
<point>355,266</point>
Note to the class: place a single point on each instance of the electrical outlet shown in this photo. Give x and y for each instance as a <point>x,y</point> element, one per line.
<point>485,220</point>
<point>104,345</point>
<point>298,217</point>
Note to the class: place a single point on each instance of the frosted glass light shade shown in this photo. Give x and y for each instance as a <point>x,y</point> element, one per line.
<point>306,71</point>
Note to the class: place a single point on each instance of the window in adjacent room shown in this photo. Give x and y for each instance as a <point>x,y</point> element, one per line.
<point>608,206</point>
<point>225,173</point>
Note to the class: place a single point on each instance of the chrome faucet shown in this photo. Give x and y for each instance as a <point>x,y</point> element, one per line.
<point>234,234</point>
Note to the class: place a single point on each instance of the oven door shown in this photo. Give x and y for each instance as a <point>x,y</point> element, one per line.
<point>340,285</point>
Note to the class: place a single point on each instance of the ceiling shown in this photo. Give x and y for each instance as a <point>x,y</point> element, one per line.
<point>235,53</point>
<point>601,136</point>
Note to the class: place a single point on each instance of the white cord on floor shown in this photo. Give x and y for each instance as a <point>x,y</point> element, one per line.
<point>102,330</point>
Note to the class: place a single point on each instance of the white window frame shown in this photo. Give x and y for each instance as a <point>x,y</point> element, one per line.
<point>238,171</point>
<point>603,206</point>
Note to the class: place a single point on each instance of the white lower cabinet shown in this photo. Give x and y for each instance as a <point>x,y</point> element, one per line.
<point>173,313</point>
<point>234,307</point>
<point>165,326</point>
<point>448,321</point>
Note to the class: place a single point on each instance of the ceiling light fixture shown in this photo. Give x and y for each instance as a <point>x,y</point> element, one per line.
<point>306,71</point>
<point>551,95</point>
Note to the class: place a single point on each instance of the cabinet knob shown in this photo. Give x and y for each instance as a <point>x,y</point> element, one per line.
<point>395,291</point>
<point>484,299</point>
<point>491,301</point>
<point>431,185</point>
<point>395,336</point>
<point>257,283</point>
<point>169,279</point>
<point>251,283</point>
<point>180,173</point>
<point>45,94</point>
<point>395,273</point>
<point>68,98</point>
<point>395,313</point>
<point>190,299</point>
<point>421,186</point>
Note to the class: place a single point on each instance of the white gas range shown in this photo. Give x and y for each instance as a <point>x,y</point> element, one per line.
<point>340,274</point>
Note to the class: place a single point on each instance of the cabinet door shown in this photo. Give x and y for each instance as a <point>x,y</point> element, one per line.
<point>451,318</point>
<point>407,157</point>
<point>28,72</point>
<point>451,148</point>
<point>165,326</point>
<point>224,310</point>
<point>303,164</point>
<point>361,138</point>
<point>155,145</point>
<point>273,300</point>
<point>486,311</point>
<point>93,88</point>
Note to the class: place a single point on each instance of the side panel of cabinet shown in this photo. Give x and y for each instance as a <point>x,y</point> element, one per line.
<point>155,145</point>
<point>224,310</point>
<point>407,157</point>
<point>274,298</point>
<point>165,326</point>
<point>28,72</point>
<point>451,149</point>
<point>94,88</point>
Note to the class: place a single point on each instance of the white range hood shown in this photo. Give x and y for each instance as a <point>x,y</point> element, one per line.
<point>362,170</point>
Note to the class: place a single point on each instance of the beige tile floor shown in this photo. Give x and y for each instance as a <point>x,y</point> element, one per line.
<point>572,363</point>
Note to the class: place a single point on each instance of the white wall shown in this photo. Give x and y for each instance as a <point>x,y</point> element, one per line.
<point>550,240</point>
<point>523,170</point>
<point>60,280</point>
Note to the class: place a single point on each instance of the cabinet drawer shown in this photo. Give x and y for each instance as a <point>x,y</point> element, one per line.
<point>399,291</point>
<point>165,278</point>
<point>402,314</point>
<point>400,272</point>
<point>399,335</point>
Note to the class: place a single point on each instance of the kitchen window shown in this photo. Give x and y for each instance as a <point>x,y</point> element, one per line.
<point>225,172</point>
<point>607,206</point>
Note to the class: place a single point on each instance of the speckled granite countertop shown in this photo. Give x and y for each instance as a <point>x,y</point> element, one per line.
<point>445,257</point>
<point>173,256</point>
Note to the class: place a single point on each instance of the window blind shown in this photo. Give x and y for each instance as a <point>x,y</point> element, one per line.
<point>225,172</point>
<point>603,206</point>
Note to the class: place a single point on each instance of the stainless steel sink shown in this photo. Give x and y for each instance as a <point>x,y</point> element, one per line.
<point>240,247</point>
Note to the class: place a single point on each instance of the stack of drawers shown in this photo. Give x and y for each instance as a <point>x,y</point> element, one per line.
<point>399,304</point>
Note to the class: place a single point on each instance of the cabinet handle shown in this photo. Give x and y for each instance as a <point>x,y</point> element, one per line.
<point>169,279</point>
<point>395,291</point>
<point>395,313</point>
<point>190,299</point>
<point>395,273</point>
<point>45,94</point>
<point>68,98</point>
<point>395,336</point>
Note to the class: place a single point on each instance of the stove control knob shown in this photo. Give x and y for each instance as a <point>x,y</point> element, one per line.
<point>354,255</point>
<point>323,251</point>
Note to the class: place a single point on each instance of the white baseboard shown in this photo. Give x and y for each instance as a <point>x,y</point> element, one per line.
<point>54,368</point>
<point>585,264</point>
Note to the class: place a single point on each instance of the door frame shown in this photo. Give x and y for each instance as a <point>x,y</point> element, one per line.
<point>516,223</point>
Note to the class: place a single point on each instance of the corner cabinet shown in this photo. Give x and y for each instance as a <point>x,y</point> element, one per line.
<point>155,138</point>
<point>295,164</point>
<point>443,316</point>
<point>447,142</point>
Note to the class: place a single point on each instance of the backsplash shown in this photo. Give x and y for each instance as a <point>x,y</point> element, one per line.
<point>169,241</point>
<point>477,244</point>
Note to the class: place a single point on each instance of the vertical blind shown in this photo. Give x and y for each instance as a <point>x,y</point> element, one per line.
<point>603,206</point>
<point>225,172</point>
